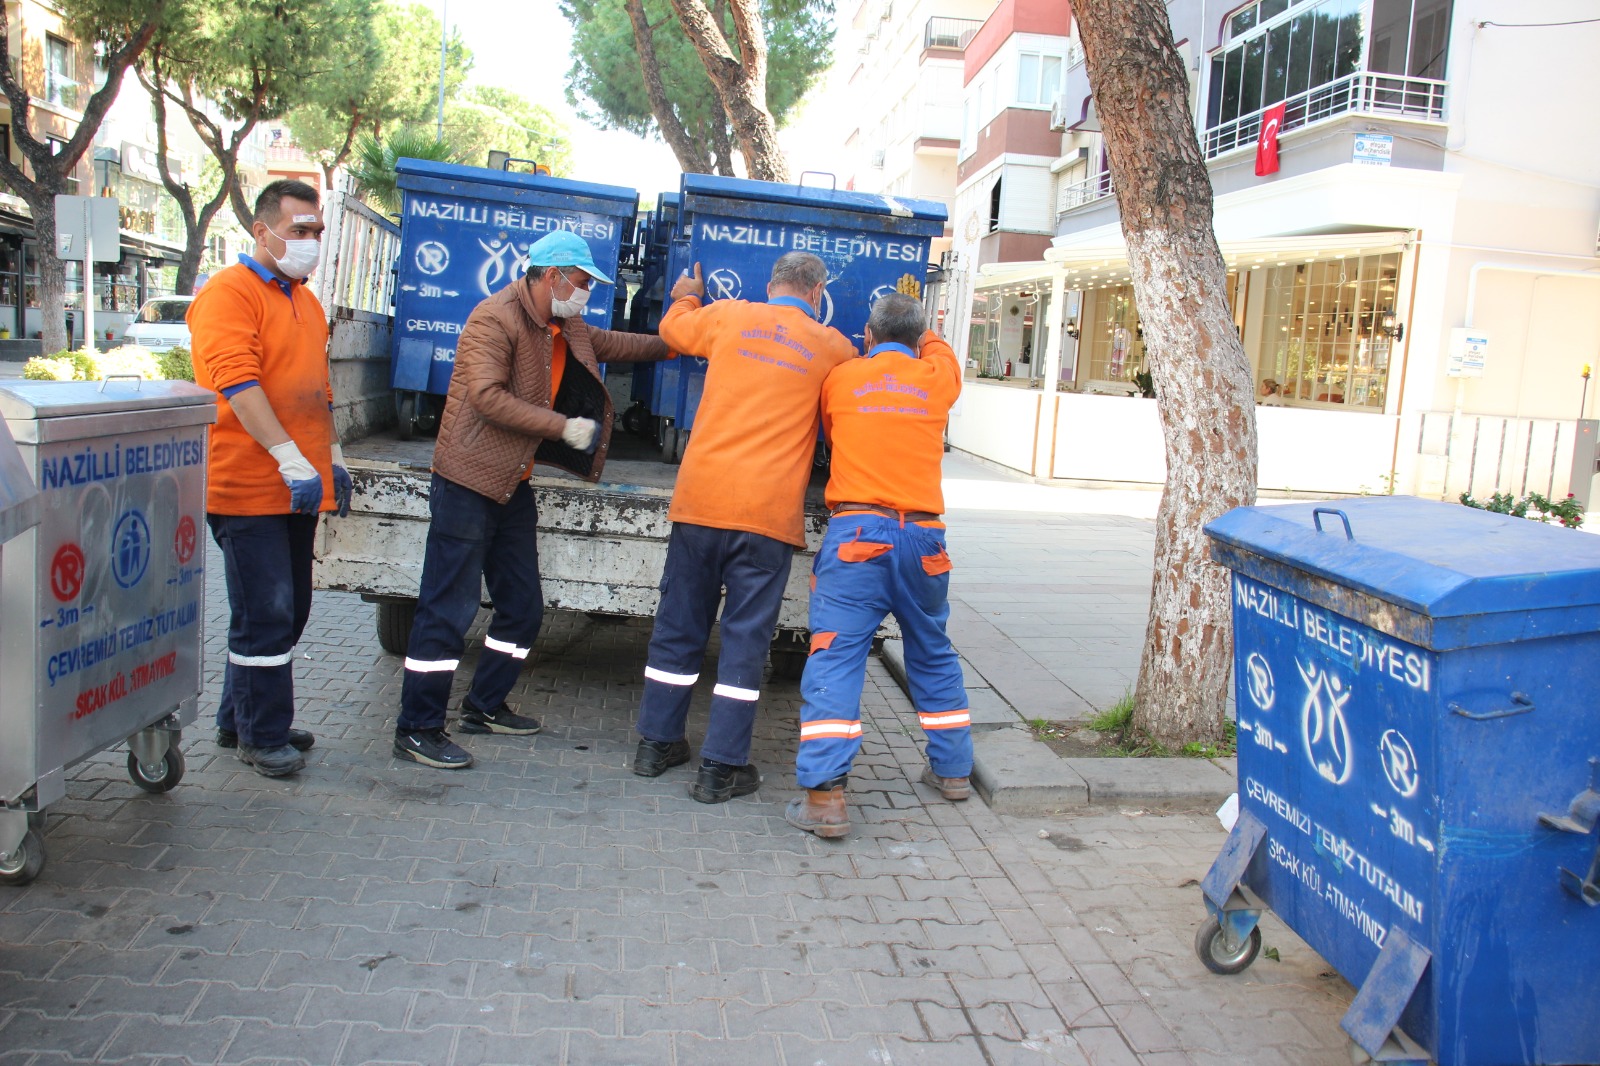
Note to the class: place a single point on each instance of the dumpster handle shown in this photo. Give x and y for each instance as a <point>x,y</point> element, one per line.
<point>821,174</point>
<point>1522,704</point>
<point>1318,512</point>
<point>109,378</point>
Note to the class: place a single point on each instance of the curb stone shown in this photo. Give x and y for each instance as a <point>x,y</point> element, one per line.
<point>1016,774</point>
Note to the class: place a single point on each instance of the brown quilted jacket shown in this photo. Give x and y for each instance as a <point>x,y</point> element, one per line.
<point>500,415</point>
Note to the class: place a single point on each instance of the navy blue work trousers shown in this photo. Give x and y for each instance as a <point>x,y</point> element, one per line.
<point>472,541</point>
<point>701,563</point>
<point>267,565</point>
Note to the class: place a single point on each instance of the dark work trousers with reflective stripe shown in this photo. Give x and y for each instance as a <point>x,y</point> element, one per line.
<point>472,541</point>
<point>869,566</point>
<point>701,562</point>
<point>267,565</point>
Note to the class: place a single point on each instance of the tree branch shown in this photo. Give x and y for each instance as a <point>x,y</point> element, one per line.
<point>691,156</point>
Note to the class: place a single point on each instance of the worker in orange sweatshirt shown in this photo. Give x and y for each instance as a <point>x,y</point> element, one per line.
<point>260,340</point>
<point>884,551</point>
<point>737,512</point>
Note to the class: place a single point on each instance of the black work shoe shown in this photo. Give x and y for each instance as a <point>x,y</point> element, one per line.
<point>499,720</point>
<point>299,739</point>
<point>431,747</point>
<point>272,762</point>
<point>655,757</point>
<point>718,782</point>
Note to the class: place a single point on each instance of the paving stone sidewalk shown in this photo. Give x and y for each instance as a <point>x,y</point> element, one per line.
<point>548,907</point>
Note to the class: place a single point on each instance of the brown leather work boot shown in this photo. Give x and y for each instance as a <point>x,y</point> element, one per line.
<point>821,810</point>
<point>951,788</point>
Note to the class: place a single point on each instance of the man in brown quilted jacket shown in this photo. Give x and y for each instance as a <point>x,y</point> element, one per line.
<point>526,389</point>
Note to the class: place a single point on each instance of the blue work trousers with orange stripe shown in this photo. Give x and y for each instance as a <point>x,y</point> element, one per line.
<point>868,567</point>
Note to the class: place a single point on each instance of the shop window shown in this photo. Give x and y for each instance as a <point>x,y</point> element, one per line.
<point>1321,340</point>
<point>1111,344</point>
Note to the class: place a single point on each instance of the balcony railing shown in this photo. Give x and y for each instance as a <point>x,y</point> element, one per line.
<point>1096,187</point>
<point>1364,91</point>
<point>943,32</point>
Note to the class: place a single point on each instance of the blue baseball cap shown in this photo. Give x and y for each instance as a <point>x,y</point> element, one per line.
<point>564,249</point>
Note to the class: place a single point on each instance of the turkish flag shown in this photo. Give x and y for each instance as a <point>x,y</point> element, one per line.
<point>1267,145</point>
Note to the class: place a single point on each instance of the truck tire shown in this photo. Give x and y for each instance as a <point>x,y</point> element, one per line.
<point>405,410</point>
<point>394,624</point>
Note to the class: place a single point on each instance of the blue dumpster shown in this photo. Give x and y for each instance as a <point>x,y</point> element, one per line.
<point>464,235</point>
<point>1418,751</point>
<point>737,228</point>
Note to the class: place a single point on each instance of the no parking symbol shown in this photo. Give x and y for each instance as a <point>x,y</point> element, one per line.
<point>66,572</point>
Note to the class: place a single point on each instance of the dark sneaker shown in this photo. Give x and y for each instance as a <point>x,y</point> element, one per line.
<point>499,720</point>
<point>655,757</point>
<point>431,747</point>
<point>718,782</point>
<point>951,788</point>
<point>299,739</point>
<point>272,762</point>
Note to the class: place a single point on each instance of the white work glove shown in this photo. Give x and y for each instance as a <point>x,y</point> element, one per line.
<point>305,484</point>
<point>579,433</point>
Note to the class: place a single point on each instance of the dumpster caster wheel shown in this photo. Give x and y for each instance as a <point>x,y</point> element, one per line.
<point>171,772</point>
<point>1212,948</point>
<point>25,863</point>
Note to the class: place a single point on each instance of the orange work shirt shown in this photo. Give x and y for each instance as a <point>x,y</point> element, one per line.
<point>247,325</point>
<point>750,451</point>
<point>558,367</point>
<point>885,416</point>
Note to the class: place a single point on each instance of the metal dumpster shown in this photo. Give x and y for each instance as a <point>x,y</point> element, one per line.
<point>737,228</point>
<point>1418,760</point>
<point>102,601</point>
<point>464,235</point>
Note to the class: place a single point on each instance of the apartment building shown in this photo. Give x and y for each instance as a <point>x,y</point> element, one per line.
<point>1414,275</point>
<point>902,65</point>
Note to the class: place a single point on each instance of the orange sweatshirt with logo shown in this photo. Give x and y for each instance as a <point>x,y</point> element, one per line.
<point>244,328</point>
<point>750,451</point>
<point>885,416</point>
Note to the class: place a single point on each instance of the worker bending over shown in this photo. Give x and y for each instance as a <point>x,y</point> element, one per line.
<point>737,512</point>
<point>884,551</point>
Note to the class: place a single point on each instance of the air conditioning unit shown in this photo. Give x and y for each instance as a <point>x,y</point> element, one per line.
<point>1058,113</point>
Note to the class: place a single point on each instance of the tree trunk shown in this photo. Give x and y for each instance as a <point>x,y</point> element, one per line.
<point>1203,382</point>
<point>722,146</point>
<point>691,156</point>
<point>741,84</point>
<point>52,276</point>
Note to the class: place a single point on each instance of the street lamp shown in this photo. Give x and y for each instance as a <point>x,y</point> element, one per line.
<point>1392,326</point>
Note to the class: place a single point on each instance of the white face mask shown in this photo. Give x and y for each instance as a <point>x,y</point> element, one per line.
<point>572,306</point>
<point>299,258</point>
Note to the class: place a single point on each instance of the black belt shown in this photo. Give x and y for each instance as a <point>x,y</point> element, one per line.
<point>887,512</point>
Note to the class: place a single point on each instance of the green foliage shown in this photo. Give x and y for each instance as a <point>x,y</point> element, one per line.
<point>1569,512</point>
<point>372,167</point>
<point>84,365</point>
<point>488,119</point>
<point>1114,718</point>
<point>606,83</point>
<point>176,364</point>
<point>1145,382</point>
<point>381,79</point>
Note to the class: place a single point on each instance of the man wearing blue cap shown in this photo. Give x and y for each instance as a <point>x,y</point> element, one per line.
<point>526,389</point>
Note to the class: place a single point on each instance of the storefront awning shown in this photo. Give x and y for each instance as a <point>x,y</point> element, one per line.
<point>1105,262</point>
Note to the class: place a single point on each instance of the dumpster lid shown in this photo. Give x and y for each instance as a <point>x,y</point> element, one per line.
<point>416,173</point>
<point>810,196</point>
<point>30,400</point>
<point>1437,559</point>
<point>19,500</point>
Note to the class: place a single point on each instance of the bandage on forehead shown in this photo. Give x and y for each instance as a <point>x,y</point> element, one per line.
<point>304,218</point>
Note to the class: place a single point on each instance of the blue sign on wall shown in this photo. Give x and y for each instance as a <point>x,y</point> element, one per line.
<point>464,235</point>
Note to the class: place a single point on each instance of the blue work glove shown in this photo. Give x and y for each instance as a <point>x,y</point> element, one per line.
<point>342,486</point>
<point>305,484</point>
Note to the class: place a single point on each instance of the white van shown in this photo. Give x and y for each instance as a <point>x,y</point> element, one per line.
<point>160,324</point>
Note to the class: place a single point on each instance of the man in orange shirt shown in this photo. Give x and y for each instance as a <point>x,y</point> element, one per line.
<point>260,340</point>
<point>737,512</point>
<point>884,551</point>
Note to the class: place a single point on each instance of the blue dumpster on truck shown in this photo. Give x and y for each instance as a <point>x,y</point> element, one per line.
<point>737,228</point>
<point>1418,760</point>
<point>464,235</point>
